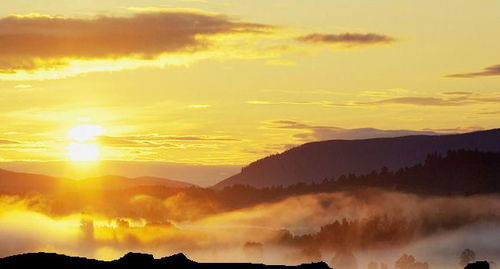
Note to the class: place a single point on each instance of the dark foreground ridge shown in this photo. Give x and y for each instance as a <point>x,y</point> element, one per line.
<point>478,265</point>
<point>133,260</point>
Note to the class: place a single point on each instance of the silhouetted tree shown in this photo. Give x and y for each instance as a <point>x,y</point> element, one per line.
<point>253,250</point>
<point>409,262</point>
<point>478,265</point>
<point>344,259</point>
<point>467,256</point>
<point>405,262</point>
<point>310,254</point>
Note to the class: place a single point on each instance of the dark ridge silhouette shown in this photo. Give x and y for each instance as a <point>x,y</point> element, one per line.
<point>326,159</point>
<point>134,260</point>
<point>478,265</point>
<point>455,173</point>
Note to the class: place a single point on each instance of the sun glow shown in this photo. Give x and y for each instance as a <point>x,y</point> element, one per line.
<point>82,149</point>
<point>85,132</point>
<point>83,152</point>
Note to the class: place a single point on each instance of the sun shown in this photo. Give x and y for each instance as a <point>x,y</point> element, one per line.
<point>83,148</point>
<point>79,152</point>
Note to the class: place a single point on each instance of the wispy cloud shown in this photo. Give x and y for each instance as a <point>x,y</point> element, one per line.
<point>486,72</point>
<point>451,98</point>
<point>458,93</point>
<point>310,103</point>
<point>423,101</point>
<point>457,129</point>
<point>325,132</point>
<point>199,106</point>
<point>454,99</point>
<point>154,140</point>
<point>349,39</point>
<point>8,142</point>
<point>495,112</point>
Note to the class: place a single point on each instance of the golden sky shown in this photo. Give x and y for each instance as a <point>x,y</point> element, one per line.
<point>227,82</point>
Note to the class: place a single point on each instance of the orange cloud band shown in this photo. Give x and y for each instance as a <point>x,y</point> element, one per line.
<point>37,42</point>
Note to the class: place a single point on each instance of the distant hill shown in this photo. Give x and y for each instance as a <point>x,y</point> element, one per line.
<point>134,260</point>
<point>326,159</point>
<point>15,182</point>
<point>119,182</point>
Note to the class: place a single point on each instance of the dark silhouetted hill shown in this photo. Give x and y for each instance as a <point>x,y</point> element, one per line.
<point>478,265</point>
<point>133,260</point>
<point>316,161</point>
<point>457,173</point>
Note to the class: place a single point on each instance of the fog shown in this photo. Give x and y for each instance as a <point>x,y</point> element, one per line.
<point>375,226</point>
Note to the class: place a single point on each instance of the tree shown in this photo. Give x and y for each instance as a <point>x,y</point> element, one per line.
<point>344,259</point>
<point>405,262</point>
<point>467,256</point>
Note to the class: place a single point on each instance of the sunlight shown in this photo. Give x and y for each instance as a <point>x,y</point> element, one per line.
<point>81,149</point>
<point>83,152</point>
<point>85,132</point>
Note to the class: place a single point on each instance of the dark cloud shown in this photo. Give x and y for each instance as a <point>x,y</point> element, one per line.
<point>486,72</point>
<point>315,133</point>
<point>29,43</point>
<point>347,38</point>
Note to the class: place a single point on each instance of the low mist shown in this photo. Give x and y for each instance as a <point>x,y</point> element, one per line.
<point>370,225</point>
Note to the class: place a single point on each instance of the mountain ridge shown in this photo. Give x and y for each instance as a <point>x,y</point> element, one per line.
<point>16,182</point>
<point>139,260</point>
<point>315,161</point>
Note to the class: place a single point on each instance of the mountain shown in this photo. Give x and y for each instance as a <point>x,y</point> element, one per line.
<point>119,182</point>
<point>327,159</point>
<point>134,260</point>
<point>16,182</point>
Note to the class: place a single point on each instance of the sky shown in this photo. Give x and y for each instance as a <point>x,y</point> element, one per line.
<point>218,84</point>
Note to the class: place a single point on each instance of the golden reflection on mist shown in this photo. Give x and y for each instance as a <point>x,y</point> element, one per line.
<point>107,224</point>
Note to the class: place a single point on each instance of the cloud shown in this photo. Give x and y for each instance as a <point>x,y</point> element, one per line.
<point>458,93</point>
<point>489,71</point>
<point>425,101</point>
<point>157,140</point>
<point>321,132</point>
<point>310,103</point>
<point>458,99</point>
<point>7,142</point>
<point>38,47</point>
<point>456,130</point>
<point>199,106</point>
<point>495,112</point>
<point>350,39</point>
<point>44,42</point>
<point>453,98</point>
